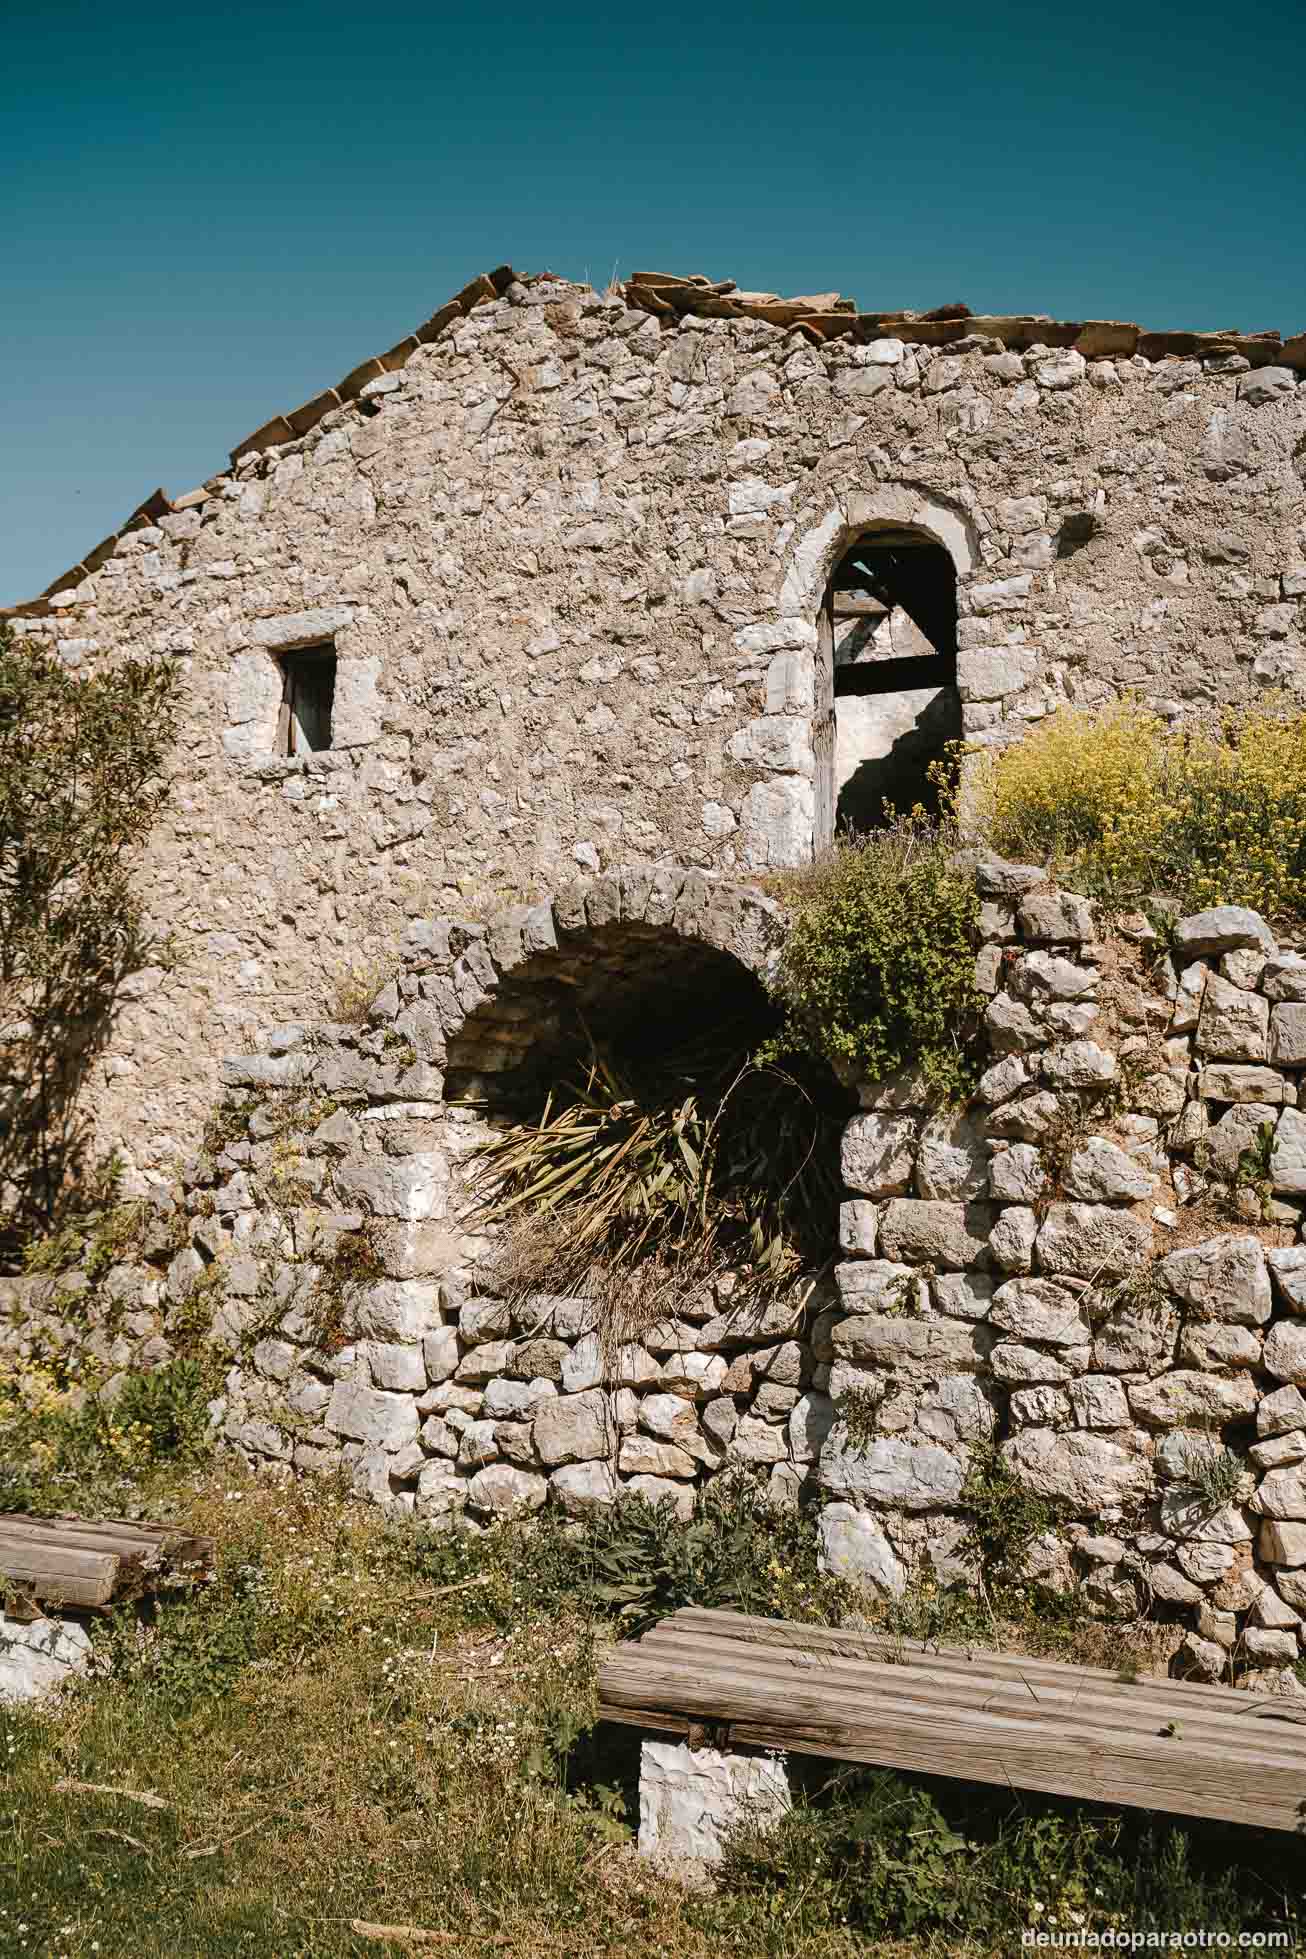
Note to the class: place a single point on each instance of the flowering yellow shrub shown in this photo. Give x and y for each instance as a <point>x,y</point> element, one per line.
<point>1124,806</point>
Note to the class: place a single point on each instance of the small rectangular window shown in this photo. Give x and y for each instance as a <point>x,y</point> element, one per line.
<point>307,700</point>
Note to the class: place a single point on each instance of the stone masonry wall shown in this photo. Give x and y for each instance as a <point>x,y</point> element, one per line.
<point>1098,1266</point>
<point>570,546</point>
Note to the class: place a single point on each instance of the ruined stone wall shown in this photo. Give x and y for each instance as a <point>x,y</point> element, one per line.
<point>570,547</point>
<point>1098,1267</point>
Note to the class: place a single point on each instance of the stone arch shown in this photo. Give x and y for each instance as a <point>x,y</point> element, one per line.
<point>788,817</point>
<point>638,944</point>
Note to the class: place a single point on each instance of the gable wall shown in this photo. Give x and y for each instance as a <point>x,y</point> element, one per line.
<point>571,560</point>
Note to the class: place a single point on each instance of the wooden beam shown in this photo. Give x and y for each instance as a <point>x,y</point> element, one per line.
<point>65,1577</point>
<point>899,675</point>
<point>1243,1784</point>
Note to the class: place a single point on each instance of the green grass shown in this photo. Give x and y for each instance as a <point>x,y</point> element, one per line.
<point>337,1734</point>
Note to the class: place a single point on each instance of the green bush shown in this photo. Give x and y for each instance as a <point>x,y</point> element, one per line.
<point>878,971</point>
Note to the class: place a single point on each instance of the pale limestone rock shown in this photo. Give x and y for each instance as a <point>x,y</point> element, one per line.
<point>1085,1471</point>
<point>1287,1265</point>
<point>1016,1174</point>
<point>859,1224</point>
<point>893,1341</point>
<point>501,1489</point>
<point>876,1285</point>
<point>583,1367</point>
<point>1167,1582</point>
<point>1280,1450</point>
<point>1011,1026</point>
<point>1187,1515</point>
<point>1189,1398</point>
<point>1266,1645</point>
<point>952,1163</point>
<point>440,1354</point>
<point>1098,1401</point>
<point>574,1428</point>
<point>1189,987</point>
<point>1202,1659</point>
<point>910,1476</point>
<point>580,1488</point>
<point>962,1295</point>
<point>689,1799</point>
<point>1237,1130</point>
<point>411,1188</point>
<point>362,1414</point>
<point>397,1367</point>
<point>1040,1310</point>
<point>957,1409</point>
<point>1080,1064</point>
<point>1205,1564</point>
<point>1281,1411</point>
<point>1233,1025</point>
<point>1281,1542</point>
<point>1004,1079</point>
<point>1100,1172</point>
<point>1288,1158</point>
<point>38,1657</point>
<point>1223,1279</point>
<point>641,1456</point>
<point>1013,1237</point>
<point>1091,1241</point>
<point>514,1400</point>
<point>1274,1613</point>
<point>1236,1081</point>
<point>402,1310</point>
<point>441,1492</point>
<point>1211,1345</point>
<point>1284,977</point>
<point>1281,1494</point>
<point>810,1421</point>
<point>1043,976</point>
<point>1057,918</point>
<point>1039,1407</point>
<point>1224,928</point>
<point>1017,1364</point>
<point>1285,1351</point>
<point>952,1237</point>
<point>479,1444</point>
<point>853,1546</point>
<point>878,1154</point>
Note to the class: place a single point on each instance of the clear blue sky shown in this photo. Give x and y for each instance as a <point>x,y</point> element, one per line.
<point>209,213</point>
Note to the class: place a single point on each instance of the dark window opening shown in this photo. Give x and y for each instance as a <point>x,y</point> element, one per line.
<point>307,700</point>
<point>891,628</point>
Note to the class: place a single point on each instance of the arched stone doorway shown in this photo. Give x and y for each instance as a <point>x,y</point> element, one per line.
<point>888,631</point>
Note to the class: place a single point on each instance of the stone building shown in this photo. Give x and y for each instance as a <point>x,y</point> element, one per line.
<point>670,574</point>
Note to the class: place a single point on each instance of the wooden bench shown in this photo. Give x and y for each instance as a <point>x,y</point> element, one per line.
<point>85,1564</point>
<point>725,1680</point>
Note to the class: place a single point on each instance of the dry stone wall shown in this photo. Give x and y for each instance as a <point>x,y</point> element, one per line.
<point>1097,1268</point>
<point>569,548</point>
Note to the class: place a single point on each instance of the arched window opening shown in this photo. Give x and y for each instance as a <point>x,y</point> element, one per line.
<point>889,634</point>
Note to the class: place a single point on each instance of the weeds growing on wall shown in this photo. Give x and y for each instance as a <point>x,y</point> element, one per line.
<point>1123,806</point>
<point>878,971</point>
<point>81,782</point>
<point>636,1562</point>
<point>690,1159</point>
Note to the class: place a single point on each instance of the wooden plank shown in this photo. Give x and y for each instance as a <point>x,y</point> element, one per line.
<point>1067,1706</point>
<point>179,1545</point>
<point>1188,1778</point>
<point>854,605</point>
<point>866,1642</point>
<point>71,1577</point>
<point>133,1551</point>
<point>902,673</point>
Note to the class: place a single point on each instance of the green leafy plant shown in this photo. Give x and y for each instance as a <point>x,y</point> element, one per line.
<point>636,1562</point>
<point>1005,1517</point>
<point>878,971</point>
<point>81,783</point>
<point>1253,1171</point>
<point>1212,1473</point>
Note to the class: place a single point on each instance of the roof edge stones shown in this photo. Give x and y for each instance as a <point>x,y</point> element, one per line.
<point>672,297</point>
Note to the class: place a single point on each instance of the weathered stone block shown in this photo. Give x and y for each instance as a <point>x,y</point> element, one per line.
<point>911,1476</point>
<point>690,1799</point>
<point>1090,1241</point>
<point>878,1154</point>
<point>1233,1025</point>
<point>386,1421</point>
<point>952,1237</point>
<point>1223,1279</point>
<point>574,1428</point>
<point>1086,1472</point>
<point>853,1546</point>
